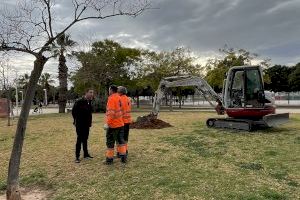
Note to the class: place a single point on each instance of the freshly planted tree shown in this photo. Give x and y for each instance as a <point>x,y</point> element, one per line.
<point>31,27</point>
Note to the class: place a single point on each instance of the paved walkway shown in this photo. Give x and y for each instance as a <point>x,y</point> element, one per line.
<point>43,111</point>
<point>55,110</point>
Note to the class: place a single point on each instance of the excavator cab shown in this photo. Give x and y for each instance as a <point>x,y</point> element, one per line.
<point>244,95</point>
<point>243,88</point>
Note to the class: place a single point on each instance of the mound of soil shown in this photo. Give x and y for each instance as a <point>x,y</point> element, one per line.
<point>149,122</point>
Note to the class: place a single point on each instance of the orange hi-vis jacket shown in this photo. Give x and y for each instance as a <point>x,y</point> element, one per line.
<point>114,116</point>
<point>126,109</point>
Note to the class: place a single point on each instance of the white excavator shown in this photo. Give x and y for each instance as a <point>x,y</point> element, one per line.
<point>244,100</point>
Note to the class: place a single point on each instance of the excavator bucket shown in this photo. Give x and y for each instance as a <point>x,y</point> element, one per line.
<point>272,120</point>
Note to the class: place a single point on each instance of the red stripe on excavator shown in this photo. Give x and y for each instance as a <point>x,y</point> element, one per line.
<point>250,112</point>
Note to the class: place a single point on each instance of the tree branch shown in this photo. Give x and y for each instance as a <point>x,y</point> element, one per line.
<point>49,17</point>
<point>3,47</point>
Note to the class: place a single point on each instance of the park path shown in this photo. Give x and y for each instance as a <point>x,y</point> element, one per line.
<point>55,110</point>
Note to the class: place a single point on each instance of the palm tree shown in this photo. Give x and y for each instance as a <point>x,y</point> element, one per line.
<point>23,81</point>
<point>46,80</point>
<point>65,44</point>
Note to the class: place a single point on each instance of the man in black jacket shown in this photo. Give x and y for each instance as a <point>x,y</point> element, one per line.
<point>82,115</point>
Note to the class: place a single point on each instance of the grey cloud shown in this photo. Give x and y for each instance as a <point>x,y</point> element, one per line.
<point>269,27</point>
<point>207,25</point>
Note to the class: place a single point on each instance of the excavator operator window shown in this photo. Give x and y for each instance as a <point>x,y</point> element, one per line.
<point>237,89</point>
<point>254,86</point>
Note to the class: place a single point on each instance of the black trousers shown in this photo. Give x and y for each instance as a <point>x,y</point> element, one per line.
<point>114,135</point>
<point>126,132</point>
<point>82,138</point>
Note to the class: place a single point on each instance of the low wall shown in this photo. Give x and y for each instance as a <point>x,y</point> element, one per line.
<point>3,108</point>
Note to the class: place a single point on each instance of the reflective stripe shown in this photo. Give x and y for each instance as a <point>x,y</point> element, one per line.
<point>110,153</point>
<point>122,149</point>
<point>118,148</point>
<point>113,110</point>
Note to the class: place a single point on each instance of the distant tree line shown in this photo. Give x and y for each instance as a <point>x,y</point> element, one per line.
<point>140,70</point>
<point>46,81</point>
<point>108,62</point>
<point>283,78</point>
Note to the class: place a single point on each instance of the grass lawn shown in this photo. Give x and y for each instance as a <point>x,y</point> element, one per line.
<point>187,161</point>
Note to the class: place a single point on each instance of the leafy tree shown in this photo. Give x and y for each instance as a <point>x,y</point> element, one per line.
<point>156,66</point>
<point>279,78</point>
<point>217,68</point>
<point>107,63</point>
<point>294,78</point>
<point>24,81</point>
<point>46,80</point>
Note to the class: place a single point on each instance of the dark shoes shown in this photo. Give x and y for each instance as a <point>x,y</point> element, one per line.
<point>123,159</point>
<point>77,160</point>
<point>119,156</point>
<point>109,161</point>
<point>88,157</point>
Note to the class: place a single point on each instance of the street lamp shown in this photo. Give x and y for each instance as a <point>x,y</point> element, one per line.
<point>46,102</point>
<point>22,101</point>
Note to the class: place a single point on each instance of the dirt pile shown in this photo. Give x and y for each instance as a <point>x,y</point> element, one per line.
<point>149,122</point>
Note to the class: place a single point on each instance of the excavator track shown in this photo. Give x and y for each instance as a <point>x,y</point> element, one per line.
<point>230,123</point>
<point>267,121</point>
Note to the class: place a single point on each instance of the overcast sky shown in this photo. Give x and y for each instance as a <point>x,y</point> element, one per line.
<point>270,28</point>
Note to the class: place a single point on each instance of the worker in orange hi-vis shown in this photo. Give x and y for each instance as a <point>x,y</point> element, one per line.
<point>114,126</point>
<point>126,110</point>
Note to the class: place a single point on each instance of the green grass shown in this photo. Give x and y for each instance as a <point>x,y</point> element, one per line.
<point>187,161</point>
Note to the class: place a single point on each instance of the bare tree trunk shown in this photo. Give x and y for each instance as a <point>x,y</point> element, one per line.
<point>9,107</point>
<point>11,111</point>
<point>138,101</point>
<point>171,102</point>
<point>13,191</point>
<point>180,100</point>
<point>63,83</point>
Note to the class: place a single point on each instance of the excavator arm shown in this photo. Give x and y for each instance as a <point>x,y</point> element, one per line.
<point>180,81</point>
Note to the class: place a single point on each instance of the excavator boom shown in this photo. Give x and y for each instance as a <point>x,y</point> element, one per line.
<point>180,81</point>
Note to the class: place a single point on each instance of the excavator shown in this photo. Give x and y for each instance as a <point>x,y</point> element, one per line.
<point>247,105</point>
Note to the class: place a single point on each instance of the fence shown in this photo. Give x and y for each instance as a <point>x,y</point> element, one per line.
<point>281,98</point>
